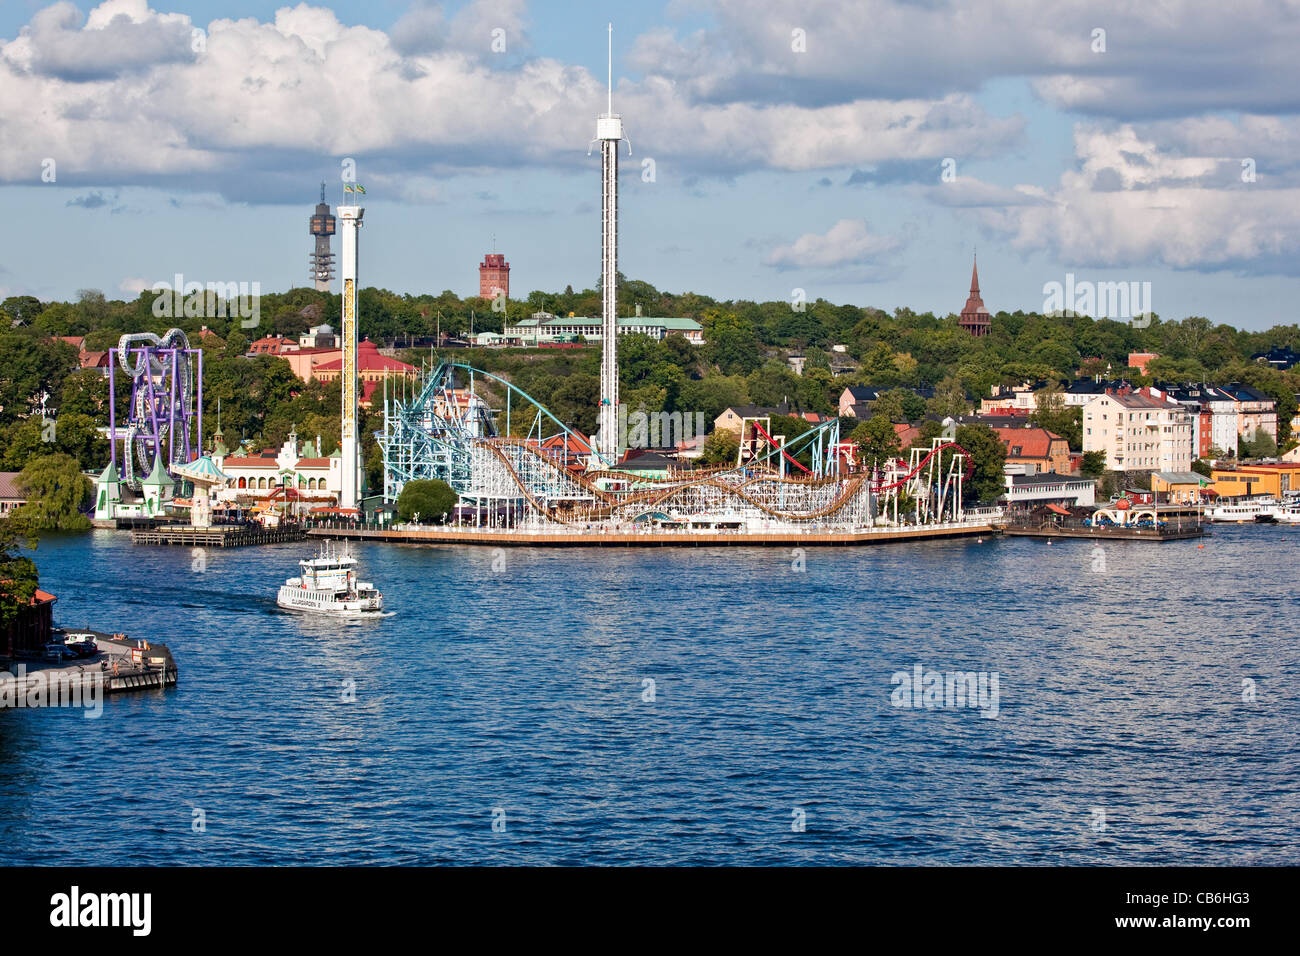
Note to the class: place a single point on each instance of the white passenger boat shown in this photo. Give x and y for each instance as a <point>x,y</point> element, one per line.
<point>1289,513</point>
<point>328,583</point>
<point>1247,510</point>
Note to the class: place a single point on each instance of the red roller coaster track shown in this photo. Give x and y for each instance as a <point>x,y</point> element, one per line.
<point>762,431</point>
<point>970,467</point>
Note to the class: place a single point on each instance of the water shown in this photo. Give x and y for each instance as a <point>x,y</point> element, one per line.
<point>520,692</point>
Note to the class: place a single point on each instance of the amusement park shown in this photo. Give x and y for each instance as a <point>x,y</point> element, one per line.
<point>551,478</point>
<point>555,477</point>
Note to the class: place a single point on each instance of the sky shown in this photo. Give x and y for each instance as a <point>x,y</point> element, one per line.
<point>858,151</point>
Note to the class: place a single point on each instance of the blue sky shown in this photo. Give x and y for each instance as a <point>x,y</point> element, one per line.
<point>775,168</point>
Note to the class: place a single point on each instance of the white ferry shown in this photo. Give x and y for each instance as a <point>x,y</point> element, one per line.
<point>1289,513</point>
<point>1249,510</point>
<point>329,583</point>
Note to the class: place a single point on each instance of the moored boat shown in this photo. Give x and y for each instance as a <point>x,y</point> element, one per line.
<point>1265,510</point>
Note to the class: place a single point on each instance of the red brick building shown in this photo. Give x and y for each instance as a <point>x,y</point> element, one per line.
<point>975,319</point>
<point>1139,360</point>
<point>493,276</point>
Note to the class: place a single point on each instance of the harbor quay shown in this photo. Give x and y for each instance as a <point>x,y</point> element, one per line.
<point>633,536</point>
<point>119,664</point>
<point>1166,525</point>
<point>1114,534</point>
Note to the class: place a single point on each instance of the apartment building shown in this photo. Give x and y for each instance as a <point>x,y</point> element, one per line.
<point>1140,431</point>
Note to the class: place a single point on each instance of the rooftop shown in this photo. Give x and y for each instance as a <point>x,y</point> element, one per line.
<point>632,321</point>
<point>1137,400</point>
<point>1048,478</point>
<point>1032,441</point>
<point>368,360</point>
<point>1180,477</point>
<point>9,485</point>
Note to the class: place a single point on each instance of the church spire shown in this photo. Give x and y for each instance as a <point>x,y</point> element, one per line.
<point>975,318</point>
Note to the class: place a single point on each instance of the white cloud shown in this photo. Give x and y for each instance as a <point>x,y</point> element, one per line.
<point>118,37</point>
<point>848,243</point>
<point>265,100</point>
<point>1132,201</point>
<point>972,193</point>
<point>1174,58</point>
<point>133,286</point>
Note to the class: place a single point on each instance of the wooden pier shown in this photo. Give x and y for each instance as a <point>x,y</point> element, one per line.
<point>122,665</point>
<point>1110,532</point>
<point>215,537</point>
<point>629,537</point>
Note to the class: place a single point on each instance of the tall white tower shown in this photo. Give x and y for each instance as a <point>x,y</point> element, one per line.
<point>609,130</point>
<point>350,220</point>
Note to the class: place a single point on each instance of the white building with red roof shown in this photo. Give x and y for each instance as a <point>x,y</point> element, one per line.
<point>301,467</point>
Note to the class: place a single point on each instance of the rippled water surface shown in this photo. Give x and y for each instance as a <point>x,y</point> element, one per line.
<point>1121,735</point>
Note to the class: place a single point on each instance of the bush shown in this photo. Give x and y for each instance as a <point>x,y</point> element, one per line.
<point>431,499</point>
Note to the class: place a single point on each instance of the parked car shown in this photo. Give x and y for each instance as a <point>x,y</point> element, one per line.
<point>58,652</point>
<point>83,647</point>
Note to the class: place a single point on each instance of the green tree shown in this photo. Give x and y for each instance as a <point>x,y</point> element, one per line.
<point>987,482</point>
<point>899,405</point>
<point>18,574</point>
<point>713,395</point>
<point>20,442</point>
<point>889,406</point>
<point>949,399</point>
<point>56,492</point>
<point>1053,414</point>
<point>432,499</point>
<point>1093,464</point>
<point>78,435</point>
<point>85,392</point>
<point>236,344</point>
<point>23,308</point>
<point>730,343</point>
<point>876,440</point>
<point>1259,445</point>
<point>814,391</point>
<point>773,384</point>
<point>722,447</point>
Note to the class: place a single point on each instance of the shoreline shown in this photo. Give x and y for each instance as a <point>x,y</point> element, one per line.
<point>679,539</point>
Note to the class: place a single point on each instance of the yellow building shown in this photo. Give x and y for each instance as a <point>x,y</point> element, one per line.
<point>1178,487</point>
<point>1245,480</point>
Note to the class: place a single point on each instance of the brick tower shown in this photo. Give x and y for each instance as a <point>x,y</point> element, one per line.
<point>493,276</point>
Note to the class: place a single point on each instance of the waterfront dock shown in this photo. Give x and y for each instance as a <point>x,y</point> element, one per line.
<point>123,664</point>
<point>1050,529</point>
<point>631,537</point>
<point>215,537</point>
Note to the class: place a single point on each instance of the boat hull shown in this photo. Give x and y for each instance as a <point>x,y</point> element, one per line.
<point>296,599</point>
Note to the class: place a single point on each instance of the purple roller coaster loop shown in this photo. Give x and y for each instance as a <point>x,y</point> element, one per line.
<point>168,357</point>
